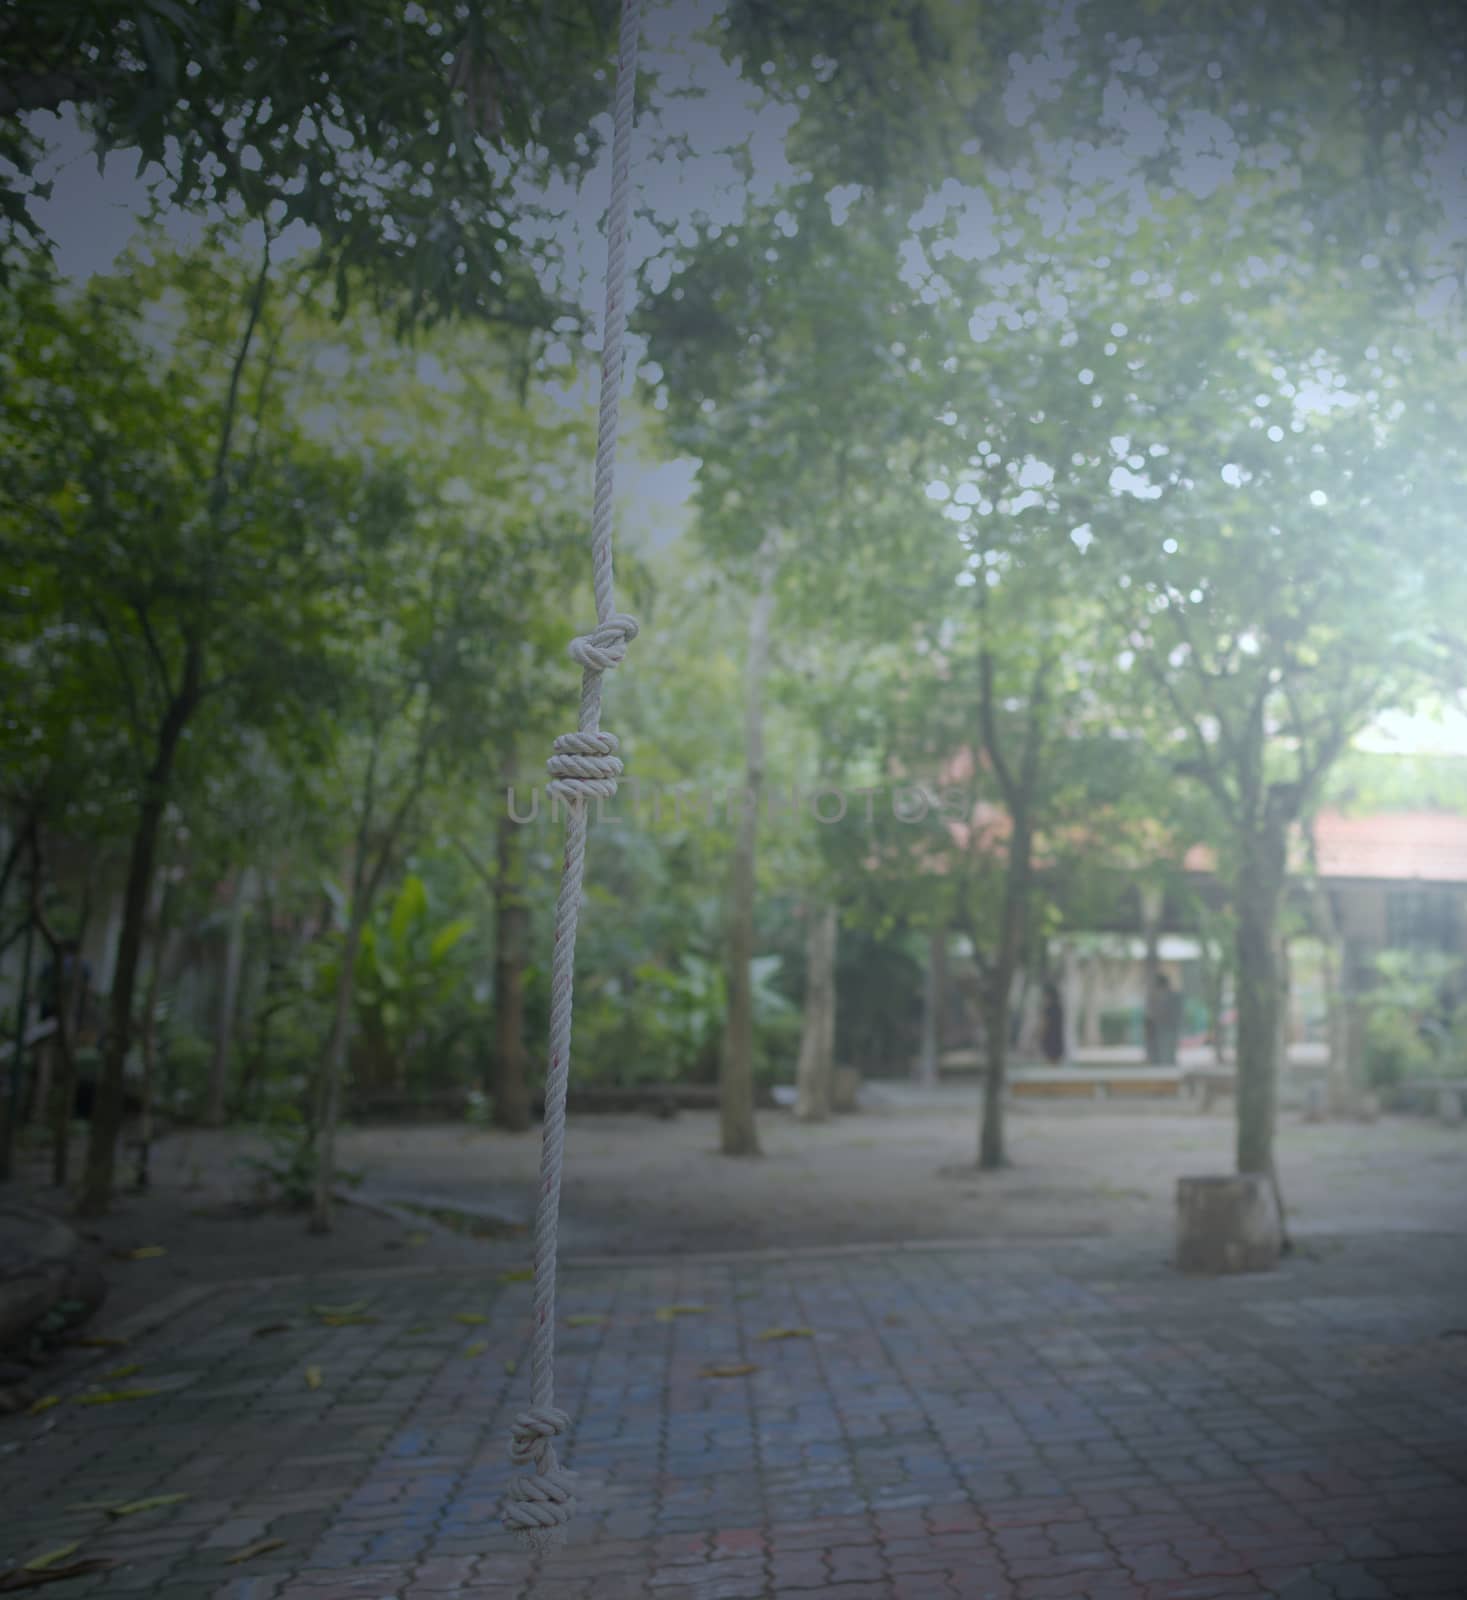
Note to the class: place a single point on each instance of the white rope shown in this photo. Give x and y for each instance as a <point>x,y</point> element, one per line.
<point>584,767</point>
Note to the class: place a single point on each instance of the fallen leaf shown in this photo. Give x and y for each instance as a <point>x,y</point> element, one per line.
<point>111,1397</point>
<point>313,1377</point>
<point>417,1238</point>
<point>269,1328</point>
<point>667,1313</point>
<point>250,1551</point>
<point>18,1579</point>
<point>734,1369</point>
<point>100,1341</point>
<point>153,1503</point>
<point>352,1310</point>
<point>787,1333</point>
<point>421,1327</point>
<point>511,1367</point>
<point>44,1404</point>
<point>144,1252</point>
<point>336,1320</point>
<point>124,1372</point>
<point>587,1319</point>
<point>51,1557</point>
<point>475,1349</point>
<point>518,1275</point>
<point>470,1319</point>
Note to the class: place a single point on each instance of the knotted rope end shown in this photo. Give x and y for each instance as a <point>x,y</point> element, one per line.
<point>541,1501</point>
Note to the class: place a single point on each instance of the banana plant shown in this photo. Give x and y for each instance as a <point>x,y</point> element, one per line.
<point>406,977</point>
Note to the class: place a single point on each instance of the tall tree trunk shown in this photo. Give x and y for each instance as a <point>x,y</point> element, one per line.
<point>738,1134</point>
<point>933,998</point>
<point>229,998</point>
<point>149,1040</point>
<point>815,1076</point>
<point>72,1012</point>
<point>10,1131</point>
<point>1259,989</point>
<point>1341,1092</point>
<point>107,1108</point>
<point>1151,908</point>
<point>992,1153</point>
<point>509,1087</point>
<point>257,1053</point>
<point>328,1086</point>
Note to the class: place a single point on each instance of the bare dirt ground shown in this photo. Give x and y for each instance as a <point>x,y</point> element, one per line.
<point>637,1186</point>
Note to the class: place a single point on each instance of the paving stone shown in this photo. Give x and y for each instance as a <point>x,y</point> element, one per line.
<point>1053,1421</point>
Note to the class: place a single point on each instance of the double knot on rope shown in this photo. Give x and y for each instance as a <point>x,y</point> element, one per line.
<point>585,765</point>
<point>541,1501</point>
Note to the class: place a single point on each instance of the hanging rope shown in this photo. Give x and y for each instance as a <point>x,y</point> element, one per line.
<point>584,767</point>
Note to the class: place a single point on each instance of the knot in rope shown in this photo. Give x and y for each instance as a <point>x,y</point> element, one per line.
<point>542,1501</point>
<point>585,766</point>
<point>606,644</point>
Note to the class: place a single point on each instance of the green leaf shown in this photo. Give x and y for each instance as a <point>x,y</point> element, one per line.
<point>447,937</point>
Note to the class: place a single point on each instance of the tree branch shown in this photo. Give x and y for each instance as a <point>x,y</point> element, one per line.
<point>217,491</point>
<point>988,728</point>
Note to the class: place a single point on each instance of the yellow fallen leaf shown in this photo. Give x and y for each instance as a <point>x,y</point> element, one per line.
<point>352,1310</point>
<point>511,1367</point>
<point>734,1369</point>
<point>788,1333</point>
<point>421,1327</point>
<point>144,1252</point>
<point>417,1238</point>
<point>667,1313</point>
<point>124,1372</point>
<point>475,1349</point>
<point>154,1503</point>
<point>111,1397</point>
<point>518,1275</point>
<point>586,1319</point>
<point>250,1551</point>
<point>101,1341</point>
<point>470,1319</point>
<point>336,1320</point>
<point>313,1377</point>
<point>44,1404</point>
<point>51,1557</point>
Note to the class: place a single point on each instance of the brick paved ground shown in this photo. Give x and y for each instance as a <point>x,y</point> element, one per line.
<point>1061,1419</point>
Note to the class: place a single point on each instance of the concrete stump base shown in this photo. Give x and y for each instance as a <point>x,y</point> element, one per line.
<point>1227,1224</point>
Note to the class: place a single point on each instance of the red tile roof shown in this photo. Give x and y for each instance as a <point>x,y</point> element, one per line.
<point>1426,845</point>
<point>1394,846</point>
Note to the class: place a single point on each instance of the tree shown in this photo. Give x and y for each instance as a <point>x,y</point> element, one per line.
<point>1269,617</point>
<point>775,384</point>
<point>175,538</point>
<point>407,140</point>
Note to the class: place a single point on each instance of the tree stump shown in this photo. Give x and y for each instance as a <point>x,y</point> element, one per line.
<point>845,1088</point>
<point>1227,1224</point>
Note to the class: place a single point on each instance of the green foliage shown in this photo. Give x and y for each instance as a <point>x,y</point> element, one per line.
<point>287,1171</point>
<point>397,134</point>
<point>407,979</point>
<point>665,1023</point>
<point>1416,1018</point>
